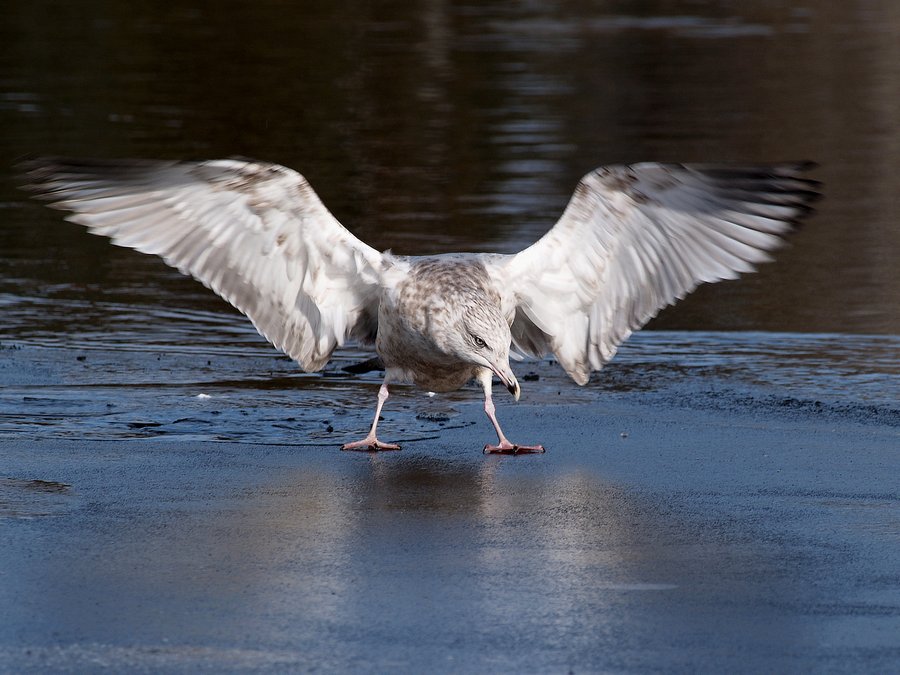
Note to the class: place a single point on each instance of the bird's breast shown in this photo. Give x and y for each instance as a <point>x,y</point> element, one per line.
<point>406,342</point>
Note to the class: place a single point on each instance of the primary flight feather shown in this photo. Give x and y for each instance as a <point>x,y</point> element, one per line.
<point>632,240</point>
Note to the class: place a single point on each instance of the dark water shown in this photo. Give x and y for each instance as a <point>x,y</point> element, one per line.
<point>762,539</point>
<point>436,126</point>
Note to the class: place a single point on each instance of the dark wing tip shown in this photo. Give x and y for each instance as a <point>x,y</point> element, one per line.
<point>54,179</point>
<point>806,190</point>
<point>28,165</point>
<point>35,174</point>
<point>785,179</point>
<point>48,177</point>
<point>803,165</point>
<point>780,184</point>
<point>773,170</point>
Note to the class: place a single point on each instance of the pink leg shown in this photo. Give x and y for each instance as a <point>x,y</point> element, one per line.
<point>503,447</point>
<point>370,443</point>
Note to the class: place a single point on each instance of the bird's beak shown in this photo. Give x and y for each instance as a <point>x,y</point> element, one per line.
<point>508,379</point>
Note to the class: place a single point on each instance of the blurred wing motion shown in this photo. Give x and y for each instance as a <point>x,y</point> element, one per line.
<point>255,233</point>
<point>634,239</point>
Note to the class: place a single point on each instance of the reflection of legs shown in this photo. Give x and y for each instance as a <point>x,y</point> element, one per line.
<point>503,447</point>
<point>370,443</point>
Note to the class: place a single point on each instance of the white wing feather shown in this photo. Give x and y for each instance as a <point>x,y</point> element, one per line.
<point>636,238</point>
<point>253,232</point>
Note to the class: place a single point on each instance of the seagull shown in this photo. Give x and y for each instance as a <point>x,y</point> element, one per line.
<point>632,240</point>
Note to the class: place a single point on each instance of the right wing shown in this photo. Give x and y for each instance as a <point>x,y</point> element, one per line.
<point>253,232</point>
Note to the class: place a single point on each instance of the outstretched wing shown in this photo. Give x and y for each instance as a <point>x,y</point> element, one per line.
<point>253,232</point>
<point>634,239</point>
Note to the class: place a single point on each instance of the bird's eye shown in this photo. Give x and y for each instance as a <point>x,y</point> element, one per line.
<point>481,344</point>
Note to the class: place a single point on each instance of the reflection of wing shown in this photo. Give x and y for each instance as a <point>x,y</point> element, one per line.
<point>254,233</point>
<point>634,239</point>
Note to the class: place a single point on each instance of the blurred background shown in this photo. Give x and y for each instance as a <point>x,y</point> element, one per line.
<point>438,125</point>
<point>434,125</point>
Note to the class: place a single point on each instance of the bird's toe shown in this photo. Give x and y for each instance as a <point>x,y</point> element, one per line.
<point>369,445</point>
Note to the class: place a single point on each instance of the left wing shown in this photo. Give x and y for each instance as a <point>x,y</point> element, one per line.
<point>636,238</point>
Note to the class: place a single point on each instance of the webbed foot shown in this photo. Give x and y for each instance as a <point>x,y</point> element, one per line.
<point>369,444</point>
<point>507,448</point>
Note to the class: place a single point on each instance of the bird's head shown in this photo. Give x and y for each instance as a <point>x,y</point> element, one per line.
<point>484,340</point>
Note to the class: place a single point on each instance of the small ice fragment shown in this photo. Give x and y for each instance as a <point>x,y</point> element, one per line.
<point>431,394</point>
<point>203,396</point>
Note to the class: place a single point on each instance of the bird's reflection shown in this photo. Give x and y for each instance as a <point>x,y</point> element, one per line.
<point>401,538</point>
<point>468,550</point>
